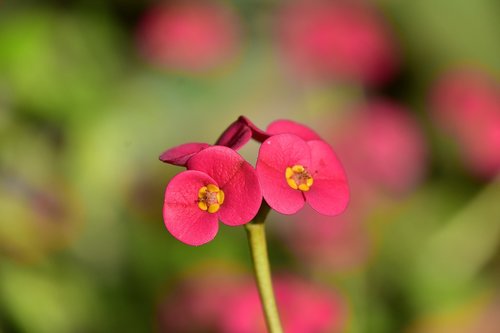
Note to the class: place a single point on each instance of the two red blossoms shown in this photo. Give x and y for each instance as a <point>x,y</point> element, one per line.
<point>294,166</point>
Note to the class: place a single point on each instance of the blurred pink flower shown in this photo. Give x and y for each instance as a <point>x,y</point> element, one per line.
<point>200,302</point>
<point>219,184</point>
<point>382,146</point>
<point>189,36</point>
<point>337,40</point>
<point>292,171</point>
<point>304,308</point>
<point>467,105</point>
<point>338,243</point>
<point>222,301</point>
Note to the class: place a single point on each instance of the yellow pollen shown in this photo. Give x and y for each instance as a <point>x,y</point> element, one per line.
<point>298,178</point>
<point>210,198</point>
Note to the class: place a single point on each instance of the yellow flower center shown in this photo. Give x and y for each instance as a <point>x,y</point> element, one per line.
<point>299,178</point>
<point>210,198</point>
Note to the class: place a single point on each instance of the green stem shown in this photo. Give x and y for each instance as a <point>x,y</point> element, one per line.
<point>258,248</point>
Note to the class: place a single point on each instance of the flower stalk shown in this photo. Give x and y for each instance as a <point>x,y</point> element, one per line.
<point>258,248</point>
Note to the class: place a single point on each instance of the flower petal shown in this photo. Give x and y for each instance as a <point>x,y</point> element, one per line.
<point>181,154</point>
<point>235,136</point>
<point>275,155</point>
<point>329,194</point>
<point>243,197</point>
<point>181,214</point>
<point>292,127</point>
<point>236,177</point>
<point>257,134</point>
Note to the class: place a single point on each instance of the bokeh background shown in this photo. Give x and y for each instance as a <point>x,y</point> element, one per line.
<point>407,93</point>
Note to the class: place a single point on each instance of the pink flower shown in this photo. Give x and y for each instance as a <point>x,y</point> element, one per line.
<point>188,36</point>
<point>234,137</point>
<point>219,185</point>
<point>219,299</point>
<point>284,126</point>
<point>340,243</point>
<point>304,308</point>
<point>200,301</point>
<point>467,105</point>
<point>292,171</point>
<point>382,145</point>
<point>337,39</point>
<point>181,154</point>
<point>463,98</point>
<point>240,132</point>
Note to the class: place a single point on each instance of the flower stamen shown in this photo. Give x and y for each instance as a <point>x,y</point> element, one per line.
<point>298,178</point>
<point>210,198</point>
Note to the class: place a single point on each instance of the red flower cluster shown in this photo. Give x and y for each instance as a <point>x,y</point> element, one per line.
<point>294,166</point>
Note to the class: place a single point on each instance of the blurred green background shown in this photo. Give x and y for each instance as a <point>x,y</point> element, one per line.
<point>91,92</point>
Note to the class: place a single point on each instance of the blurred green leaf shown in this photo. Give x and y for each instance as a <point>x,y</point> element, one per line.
<point>438,34</point>
<point>450,261</point>
<point>42,299</point>
<point>58,64</point>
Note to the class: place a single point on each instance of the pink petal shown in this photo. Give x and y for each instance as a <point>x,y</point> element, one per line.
<point>236,177</point>
<point>235,136</point>
<point>181,214</point>
<point>329,194</point>
<point>275,155</point>
<point>292,127</point>
<point>243,197</point>
<point>257,134</point>
<point>181,154</point>
<point>240,132</point>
